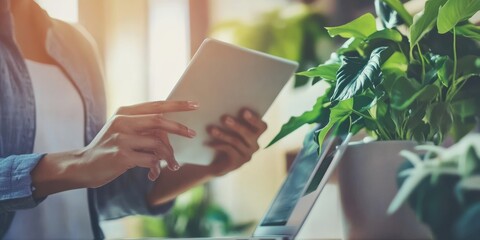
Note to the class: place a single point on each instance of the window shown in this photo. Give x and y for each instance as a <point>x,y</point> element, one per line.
<point>66,10</point>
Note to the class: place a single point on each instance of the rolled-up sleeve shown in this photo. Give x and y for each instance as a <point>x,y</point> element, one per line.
<point>126,196</point>
<point>16,182</point>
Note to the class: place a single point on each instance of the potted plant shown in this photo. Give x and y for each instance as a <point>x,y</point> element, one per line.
<point>400,88</point>
<point>444,188</point>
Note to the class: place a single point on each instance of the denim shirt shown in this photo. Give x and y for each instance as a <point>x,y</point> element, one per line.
<point>73,51</point>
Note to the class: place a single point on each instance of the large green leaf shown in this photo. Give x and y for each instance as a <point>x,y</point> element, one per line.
<point>338,114</point>
<point>359,28</point>
<point>405,91</point>
<point>352,44</point>
<point>464,108</point>
<point>389,34</point>
<point>358,74</point>
<point>440,118</point>
<point>468,30</point>
<point>324,71</point>
<point>397,63</point>
<point>306,118</point>
<point>407,188</point>
<point>455,11</point>
<point>424,21</point>
<point>443,68</point>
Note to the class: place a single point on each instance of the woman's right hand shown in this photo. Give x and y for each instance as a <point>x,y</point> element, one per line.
<point>136,136</point>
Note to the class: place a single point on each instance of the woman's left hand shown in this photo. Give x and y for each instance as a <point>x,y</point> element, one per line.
<point>235,141</point>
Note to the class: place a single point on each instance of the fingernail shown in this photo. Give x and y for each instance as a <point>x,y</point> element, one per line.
<point>176,167</point>
<point>191,133</point>
<point>229,121</point>
<point>247,114</point>
<point>193,105</point>
<point>151,177</point>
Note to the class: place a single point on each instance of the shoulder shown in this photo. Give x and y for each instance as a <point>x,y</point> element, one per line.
<point>76,34</point>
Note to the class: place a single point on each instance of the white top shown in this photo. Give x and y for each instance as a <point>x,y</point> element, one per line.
<point>59,127</point>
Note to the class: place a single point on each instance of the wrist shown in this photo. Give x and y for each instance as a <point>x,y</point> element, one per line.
<point>57,172</point>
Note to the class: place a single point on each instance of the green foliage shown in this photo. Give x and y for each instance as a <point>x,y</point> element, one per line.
<point>396,87</point>
<point>424,21</point>
<point>359,28</point>
<point>326,71</point>
<point>193,215</point>
<point>338,115</point>
<point>294,32</point>
<point>443,188</point>
<point>309,117</point>
<point>468,30</point>
<point>358,74</point>
<point>455,11</point>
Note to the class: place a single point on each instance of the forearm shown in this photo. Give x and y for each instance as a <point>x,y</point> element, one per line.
<point>171,184</point>
<point>58,172</point>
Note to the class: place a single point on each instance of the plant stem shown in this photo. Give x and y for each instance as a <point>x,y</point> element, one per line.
<point>411,54</point>
<point>454,57</point>
<point>381,132</point>
<point>384,133</point>
<point>363,115</point>
<point>453,90</point>
<point>454,54</point>
<point>423,63</point>
<point>460,83</point>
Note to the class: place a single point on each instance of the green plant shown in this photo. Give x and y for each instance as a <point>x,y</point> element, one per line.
<point>416,86</point>
<point>193,215</point>
<point>444,188</point>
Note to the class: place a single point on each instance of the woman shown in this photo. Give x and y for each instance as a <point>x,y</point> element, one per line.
<point>55,141</point>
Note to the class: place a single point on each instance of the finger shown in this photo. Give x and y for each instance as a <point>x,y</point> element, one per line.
<point>141,159</point>
<point>163,137</point>
<point>230,151</point>
<point>246,133</point>
<point>145,160</point>
<point>254,121</point>
<point>171,161</point>
<point>158,107</point>
<point>140,123</point>
<point>136,142</point>
<point>149,144</point>
<point>232,140</point>
<point>154,173</point>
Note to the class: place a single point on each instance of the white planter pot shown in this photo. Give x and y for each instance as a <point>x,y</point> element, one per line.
<point>367,180</point>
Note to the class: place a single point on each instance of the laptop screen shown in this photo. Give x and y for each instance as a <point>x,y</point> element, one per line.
<point>295,185</point>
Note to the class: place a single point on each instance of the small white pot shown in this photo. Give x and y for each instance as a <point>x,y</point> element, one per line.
<point>367,180</point>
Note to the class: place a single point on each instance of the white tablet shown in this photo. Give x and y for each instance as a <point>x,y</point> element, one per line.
<point>223,79</point>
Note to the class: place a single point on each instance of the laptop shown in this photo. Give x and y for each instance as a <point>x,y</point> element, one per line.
<point>305,180</point>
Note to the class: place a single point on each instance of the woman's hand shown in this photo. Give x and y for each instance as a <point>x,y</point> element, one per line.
<point>235,141</point>
<point>136,136</point>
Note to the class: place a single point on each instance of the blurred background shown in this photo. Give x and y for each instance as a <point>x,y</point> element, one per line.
<point>145,46</point>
